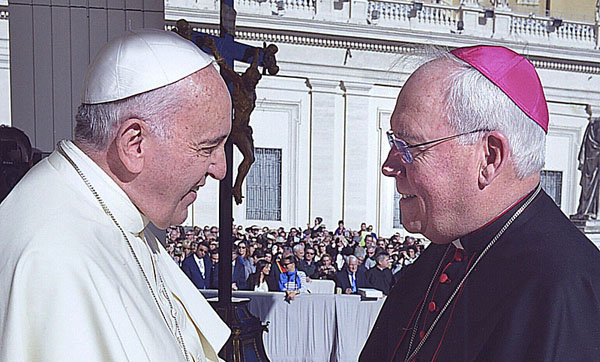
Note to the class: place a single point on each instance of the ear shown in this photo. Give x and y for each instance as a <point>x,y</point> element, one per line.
<point>130,141</point>
<point>495,151</point>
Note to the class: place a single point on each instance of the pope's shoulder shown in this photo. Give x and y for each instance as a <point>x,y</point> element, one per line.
<point>45,212</point>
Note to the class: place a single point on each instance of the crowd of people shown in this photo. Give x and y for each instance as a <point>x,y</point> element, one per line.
<point>265,259</point>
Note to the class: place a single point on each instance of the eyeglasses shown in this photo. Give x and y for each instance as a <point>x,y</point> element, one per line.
<point>403,148</point>
<point>310,253</point>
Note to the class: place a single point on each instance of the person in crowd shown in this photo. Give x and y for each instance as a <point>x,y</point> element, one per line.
<point>292,281</point>
<point>411,255</point>
<point>259,281</point>
<point>298,251</point>
<point>83,271</point>
<point>397,263</point>
<point>321,250</point>
<point>390,248</point>
<point>370,257</point>
<point>370,240</point>
<point>244,257</point>
<point>326,269</point>
<point>268,256</point>
<point>190,236</point>
<point>198,267</point>
<point>277,266</point>
<point>380,276</point>
<point>351,278</point>
<point>214,269</point>
<point>238,271</point>
<point>467,163</point>
<point>174,234</point>
<point>308,264</point>
<point>341,230</point>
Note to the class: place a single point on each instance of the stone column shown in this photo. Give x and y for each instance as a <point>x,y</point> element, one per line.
<point>326,161</point>
<point>361,157</point>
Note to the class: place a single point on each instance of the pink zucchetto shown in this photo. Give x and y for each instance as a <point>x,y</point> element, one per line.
<point>513,74</point>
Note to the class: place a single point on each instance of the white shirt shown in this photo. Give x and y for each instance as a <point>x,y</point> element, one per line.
<point>200,262</point>
<point>70,288</point>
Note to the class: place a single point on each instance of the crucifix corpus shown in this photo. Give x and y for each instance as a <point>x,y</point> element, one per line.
<point>242,87</point>
<point>247,329</point>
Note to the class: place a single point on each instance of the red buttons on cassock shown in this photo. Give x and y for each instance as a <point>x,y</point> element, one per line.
<point>459,255</point>
<point>431,306</point>
<point>422,334</point>
<point>444,278</point>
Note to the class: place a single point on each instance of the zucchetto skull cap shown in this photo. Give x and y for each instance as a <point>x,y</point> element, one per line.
<point>140,61</point>
<point>513,74</point>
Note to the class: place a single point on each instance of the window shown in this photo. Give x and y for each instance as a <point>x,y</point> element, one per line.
<point>263,185</point>
<point>397,214</point>
<point>552,183</point>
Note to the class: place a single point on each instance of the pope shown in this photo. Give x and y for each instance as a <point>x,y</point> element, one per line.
<point>81,279</point>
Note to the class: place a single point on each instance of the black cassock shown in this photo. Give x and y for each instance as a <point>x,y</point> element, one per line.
<point>534,296</point>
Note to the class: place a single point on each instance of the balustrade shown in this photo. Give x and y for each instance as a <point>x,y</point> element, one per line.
<point>403,14</point>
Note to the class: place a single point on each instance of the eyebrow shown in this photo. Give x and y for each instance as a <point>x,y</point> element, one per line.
<point>213,141</point>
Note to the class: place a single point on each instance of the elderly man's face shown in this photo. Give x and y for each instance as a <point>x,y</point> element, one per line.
<point>178,166</point>
<point>436,185</point>
<point>352,266</point>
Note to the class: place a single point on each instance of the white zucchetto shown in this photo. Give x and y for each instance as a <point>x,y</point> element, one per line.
<point>139,61</point>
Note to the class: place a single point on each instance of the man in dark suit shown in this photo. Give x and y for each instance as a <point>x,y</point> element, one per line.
<point>380,277</point>
<point>197,266</point>
<point>238,278</point>
<point>351,278</point>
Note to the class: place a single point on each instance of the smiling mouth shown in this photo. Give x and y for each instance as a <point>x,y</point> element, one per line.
<point>407,196</point>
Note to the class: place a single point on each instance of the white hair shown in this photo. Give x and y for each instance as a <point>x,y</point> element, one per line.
<point>473,102</point>
<point>96,124</point>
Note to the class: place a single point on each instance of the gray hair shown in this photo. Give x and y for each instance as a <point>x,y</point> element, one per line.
<point>96,124</point>
<point>352,258</point>
<point>474,102</point>
<point>298,247</point>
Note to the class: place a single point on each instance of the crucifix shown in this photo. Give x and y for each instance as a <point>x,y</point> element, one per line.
<point>243,95</point>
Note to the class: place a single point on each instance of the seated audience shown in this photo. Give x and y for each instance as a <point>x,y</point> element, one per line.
<point>308,264</point>
<point>214,269</point>
<point>244,257</point>
<point>370,259</point>
<point>238,278</point>
<point>351,278</point>
<point>259,281</point>
<point>380,277</point>
<point>291,281</point>
<point>326,269</point>
<point>197,267</point>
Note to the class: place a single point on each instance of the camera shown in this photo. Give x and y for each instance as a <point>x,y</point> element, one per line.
<point>15,158</point>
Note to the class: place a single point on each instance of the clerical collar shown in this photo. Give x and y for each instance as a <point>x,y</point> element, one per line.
<point>478,239</point>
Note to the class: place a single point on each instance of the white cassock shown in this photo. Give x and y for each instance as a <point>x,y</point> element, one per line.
<point>70,287</point>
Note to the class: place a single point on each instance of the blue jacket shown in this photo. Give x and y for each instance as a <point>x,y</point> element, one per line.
<point>288,277</point>
<point>190,268</point>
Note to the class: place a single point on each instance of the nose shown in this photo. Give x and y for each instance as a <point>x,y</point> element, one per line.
<point>393,167</point>
<point>218,167</point>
